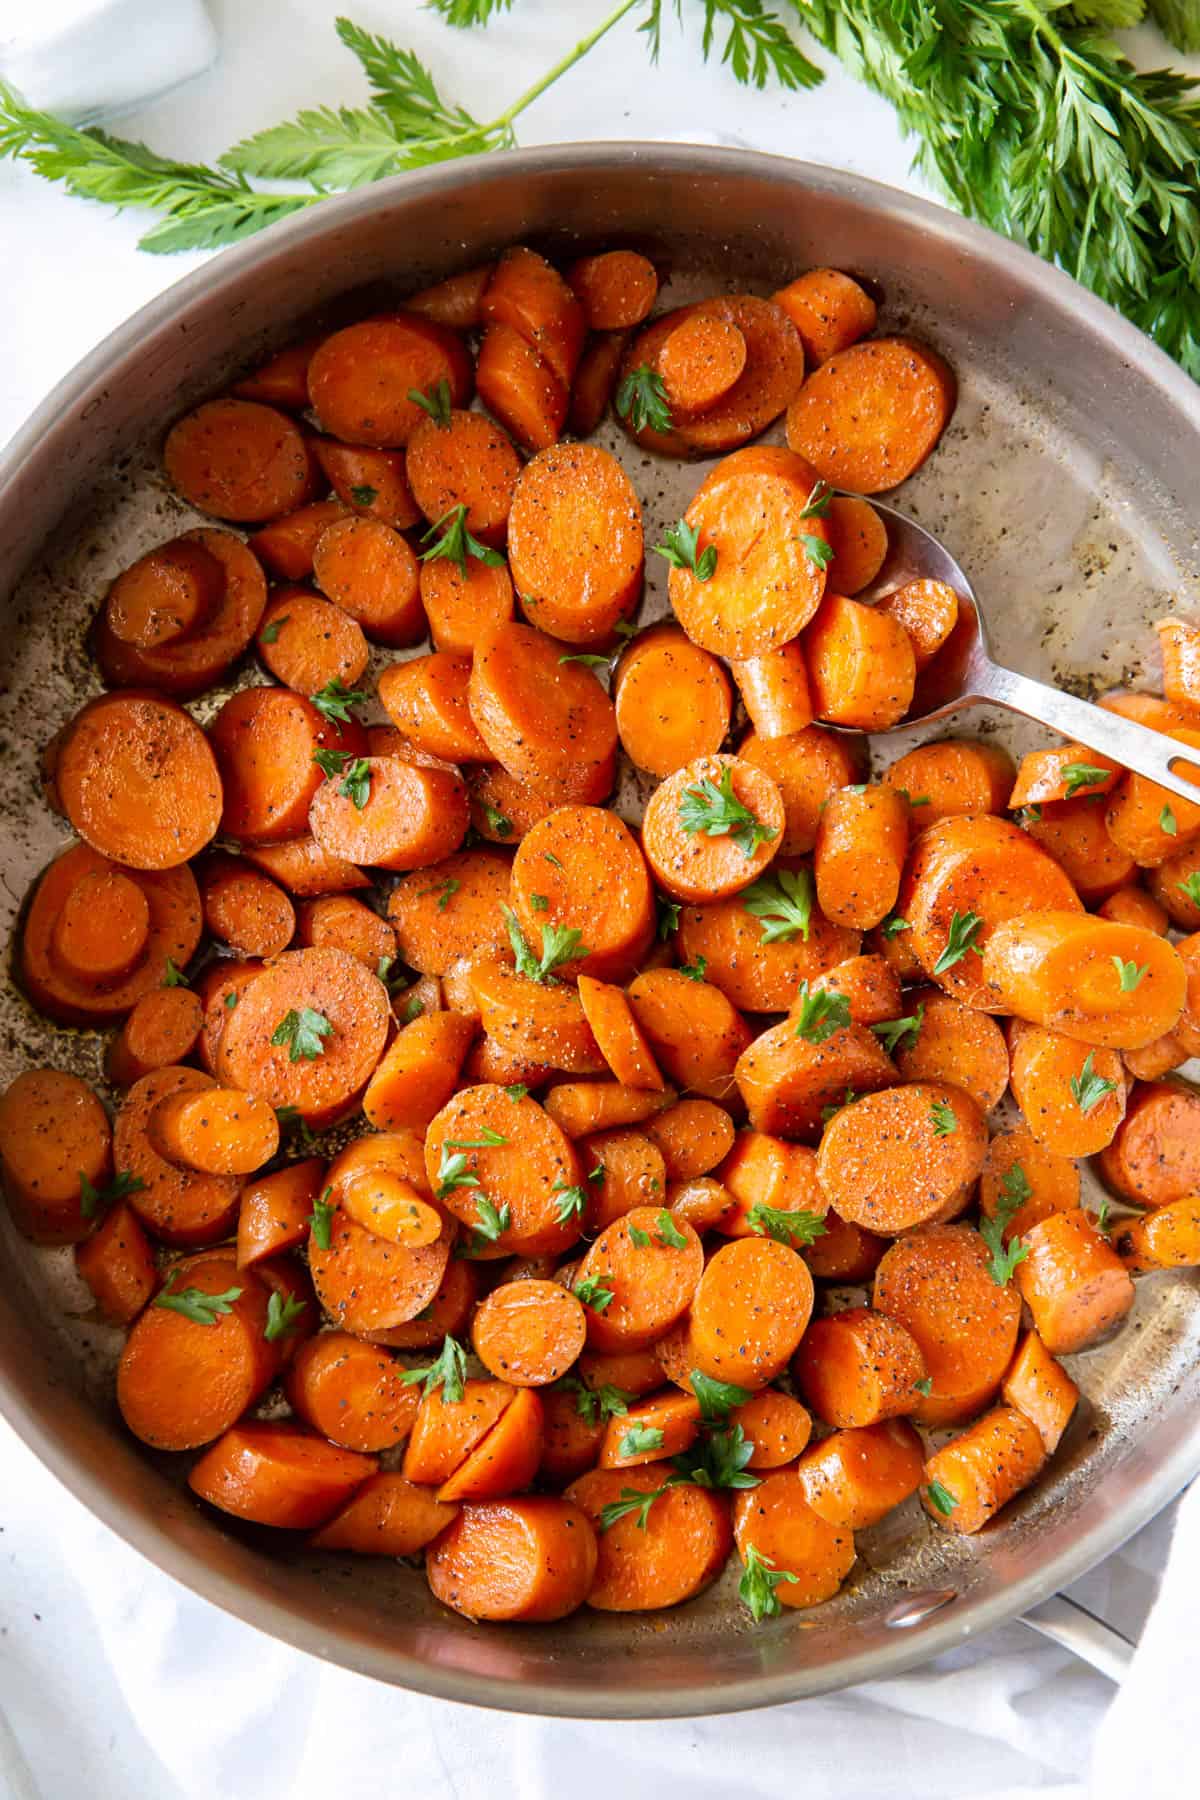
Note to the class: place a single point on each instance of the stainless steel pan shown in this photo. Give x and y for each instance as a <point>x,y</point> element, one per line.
<point>1066,485</point>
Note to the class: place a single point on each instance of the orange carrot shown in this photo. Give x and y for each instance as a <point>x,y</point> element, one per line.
<point>276,1475</point>
<point>672,701</point>
<point>871,414</point>
<point>681,1549</point>
<point>829,309</point>
<point>1040,1388</point>
<point>775,1523</point>
<point>575,543</point>
<point>240,460</point>
<point>969,1479</point>
<point>527,1559</point>
<point>855,1478</point>
<point>936,1283</point>
<point>807,767</point>
<point>117,1263</point>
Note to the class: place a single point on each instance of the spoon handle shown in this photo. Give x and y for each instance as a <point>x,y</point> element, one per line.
<point>1136,747</point>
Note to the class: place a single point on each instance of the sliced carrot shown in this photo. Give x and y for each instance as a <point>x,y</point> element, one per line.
<point>807,767</point>
<point>351,1392</point>
<point>1146,821</point>
<point>463,459</point>
<point>860,543</point>
<point>580,870</point>
<point>738,951</point>
<point>219,1131</point>
<point>777,1426</point>
<point>520,388</point>
<point>277,1475</point>
<point>220,987</point>
<point>649,1277</point>
<point>266,740</point>
<point>1020,1168</point>
<point>184,666</point>
<point>285,546</point>
<point>710,829</point>
<point>1154,1157</point>
<point>775,690</point>
<point>1073,1097</point>
<point>788,1083</point>
<point>1167,1238</point>
<point>282,380</point>
<point>180,1382</point>
<point>702,358</point>
<point>595,382</point>
<point>956,1044</point>
<point>550,723</point>
<point>928,612</point>
<point>694,1032</point>
<point>527,294</point>
<point>368,1285</point>
<point>523,1178</point>
<point>1040,1388</point>
<point>54,1137</point>
<point>503,807</point>
<point>622,1169</point>
<point>506,1459</point>
<point>1063,772</point>
<point>372,483</point>
<point>583,1107</point>
<point>953,777</point>
<point>702,1201</point>
<point>861,665</point>
<point>457,301</point>
<point>167,594</point>
<point>245,908</point>
<point>855,1478</point>
<point>1075,835</point>
<point>117,1262</point>
<point>529,1332</point>
<point>446,1315</point>
<point>621,1041</point>
<point>426,697</point>
<point>528,1559</point>
<point>239,460</point>
<point>451,910</point>
<point>304,868</point>
<point>858,859</point>
<point>869,986</point>
<point>570,1438</point>
<point>776,1523</point>
<point>858,1368</point>
<point>1113,985</point>
<point>651,1431</point>
<point>464,605</point>
<point>692,1136</point>
<point>177,1206</point>
<point>388,1516</point>
<point>575,543</point>
<point>829,309</point>
<point>370,571</point>
<point>276,1210</point>
<point>682,1548</point>
<point>672,701</point>
<point>616,289</point>
<point>750,1311</point>
<point>340,922</point>
<point>360,379</point>
<point>871,414</point>
<point>403,817</point>
<point>1172,885</point>
<point>308,643</point>
<point>1179,642</point>
<point>844,1252</point>
<point>969,1479</point>
<point>162,1028</point>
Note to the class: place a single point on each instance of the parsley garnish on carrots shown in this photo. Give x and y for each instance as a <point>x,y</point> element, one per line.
<point>595,1292</point>
<point>680,547</point>
<point>320,1220</point>
<point>941,1499</point>
<point>964,929</point>
<point>94,1200</point>
<point>456,543</point>
<point>283,1317</point>
<point>335,701</point>
<point>560,944</point>
<point>786,1227</point>
<point>820,1015</point>
<point>1088,1088</point>
<point>782,901</point>
<point>304,1032</point>
<point>642,400</point>
<point>447,1371</point>
<point>716,811</point>
<point>436,402</point>
<point>756,1589</point>
<point>1129,974</point>
<point>1015,1191</point>
<point>1081,775</point>
<point>639,1439</point>
<point>892,1032</point>
<point>196,1305</point>
<point>173,975</point>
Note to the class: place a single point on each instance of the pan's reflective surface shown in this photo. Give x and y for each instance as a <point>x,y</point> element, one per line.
<point>1072,456</point>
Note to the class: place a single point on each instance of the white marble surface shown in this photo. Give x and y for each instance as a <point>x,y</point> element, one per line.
<point>118,1685</point>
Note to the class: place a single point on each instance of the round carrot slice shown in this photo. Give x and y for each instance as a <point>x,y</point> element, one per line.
<point>1073,1097</point>
<point>520,388</point>
<point>860,543</point>
<point>274,1474</point>
<point>692,1137</point>
<point>871,415</point>
<point>54,1136</point>
<point>855,1478</point>
<point>302,867</point>
<point>777,1427</point>
<point>351,1392</point>
<point>282,380</point>
<point>700,361</point>
<point>582,1107</point>
<point>161,1029</point>
<point>138,781</point>
<point>526,1179</point>
<point>1073,832</point>
<point>503,808</point>
<point>372,483</point>
<point>622,1169</point>
<point>117,1262</point>
<point>752,510</point>
<point>307,1032</point>
<point>528,294</point>
<point>807,767</point>
<point>360,379</point>
<point>451,910</point>
<point>620,1038</point>
<point>905,1156</point>
<point>753,969</point>
<point>860,852</point>
<point>616,289</point>
<point>829,309</point>
<point>861,665</point>
<point>681,1548</point>
<point>167,594</point>
<point>673,1418</point>
<point>1118,986</point>
<point>276,1211</point>
<point>650,1283</point>
<point>775,690</point>
<point>464,605</point>
<point>266,741</point>
<point>446,1315</point>
<point>529,1332</point>
<point>186,665</point>
<point>575,542</point>
<point>220,1131</point>
<point>237,459</point>
<point>928,613</point>
<point>410,817</point>
<point>367,1284</point>
<point>750,1311</point>
<point>710,829</point>
<point>542,1022</point>
<point>694,1032</point>
<point>182,1382</point>
<point>418,1072</point>
<point>954,1043</point>
<point>775,1521</point>
<point>370,571</point>
<point>285,546</point>
<point>570,1439</point>
<point>1154,1157</point>
<point>340,922</point>
<point>858,1368</point>
<point>426,698</point>
<point>307,642</point>
<point>245,908</point>
<point>580,869</point>
<point>764,1171</point>
<point>981,1470</point>
<point>953,777</point>
<point>936,1282</point>
<point>102,933</point>
<point>1017,1165</point>
<point>790,1084</point>
<point>548,721</point>
<point>1072,1281</point>
<point>388,1516</point>
<point>527,1559</point>
<point>447,1431</point>
<point>179,1206</point>
<point>595,382</point>
<point>672,701</point>
<point>464,459</point>
<point>220,987</point>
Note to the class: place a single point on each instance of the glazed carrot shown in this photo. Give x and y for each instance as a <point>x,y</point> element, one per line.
<point>774,370</point>
<point>621,1041</point>
<point>184,666</point>
<point>777,1426</point>
<point>54,1137</point>
<point>418,1072</point>
<point>889,942</point>
<point>622,1169</point>
<point>858,1368</point>
<point>447,1430</point>
<point>1022,1170</point>
<point>788,1083</point>
<point>575,543</point>
<point>1148,823</point>
<point>137,780</point>
<point>580,869</point>
<point>753,511</point>
<point>529,1179</point>
<point>379,1182</point>
<point>807,767</point>
<point>1040,1388</point>
<point>1075,835</point>
<point>519,387</point>
<point>177,1206</point>
<point>240,460</point>
<point>219,1131</point>
<point>529,1332</point>
<point>398,816</point>
<point>101,935</point>
<point>1117,986</point>
<point>277,1475</point>
<point>860,542</point>
<point>360,379</point>
<point>855,1478</point>
<point>388,1516</point>
<point>952,777</point>
<point>162,1028</point>
<point>542,1023</point>
<point>844,1252</point>
<point>167,594</point>
<point>635,1372</point>
<point>457,301</point>
<point>503,807</point>
<point>672,701</point>
<point>529,295</point>
<point>964,877</point>
<point>761,1171</point>
<point>829,309</point>
<point>733,941</point>
<point>871,414</point>
<point>245,908</point>
<point>692,1137</point>
<point>936,1283</point>
<point>285,546</point>
<point>710,829</point>
<point>1073,1097</point>
<point>304,868</point>
<point>956,1044</point>
<point>700,361</point>
<point>969,1479</point>
<point>1167,1238</point>
<point>451,910</point>
<point>351,1392</point>
<point>275,1211</point>
<point>682,1548</point>
<point>459,459</point>
<point>446,1315</point>
<point>282,380</point>
<point>308,643</point>
<point>650,1276</point>
<point>182,1380</point>
<point>775,691</point>
<point>859,855</point>
<point>117,1263</point>
<point>506,1459</point>
<point>550,723</point>
<point>1156,1059</point>
<point>928,612</point>
<point>488,1061</point>
<point>291,1292</point>
<point>426,698</point>
<point>464,605</point>
<point>372,483</point>
<point>583,1107</point>
<point>339,922</point>
<point>1063,772</point>
<point>307,1033</point>
<point>694,1032</point>
<point>595,381</point>
<point>861,666</point>
<point>1172,885</point>
<point>616,289</point>
<point>1179,642</point>
<point>702,1202</point>
<point>570,1438</point>
<point>1154,1157</point>
<point>220,987</point>
<point>368,1285</point>
<point>775,1523</point>
<point>650,1431</point>
<point>370,571</point>
<point>750,1311</point>
<point>266,740</point>
<point>528,1559</point>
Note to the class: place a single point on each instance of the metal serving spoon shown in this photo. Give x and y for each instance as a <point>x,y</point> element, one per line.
<point>963,673</point>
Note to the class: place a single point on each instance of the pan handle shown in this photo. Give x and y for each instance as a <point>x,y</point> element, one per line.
<point>1079,1630</point>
